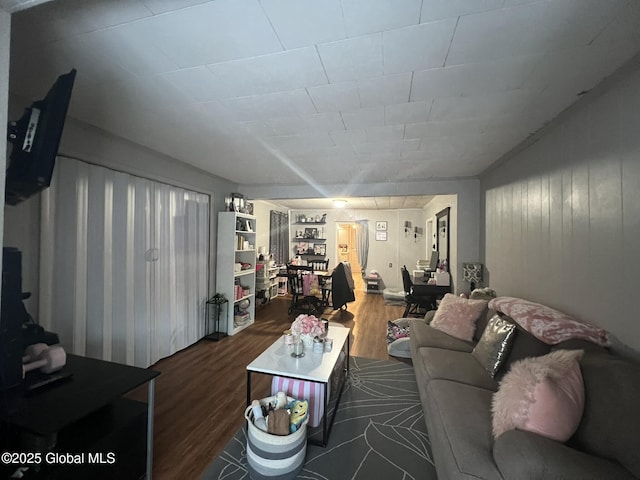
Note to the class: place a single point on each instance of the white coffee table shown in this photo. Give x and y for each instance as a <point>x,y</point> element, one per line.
<point>314,367</point>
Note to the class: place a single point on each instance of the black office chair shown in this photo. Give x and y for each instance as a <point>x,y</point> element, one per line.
<point>415,304</point>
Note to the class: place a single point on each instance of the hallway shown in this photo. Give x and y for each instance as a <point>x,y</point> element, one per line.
<point>348,252</point>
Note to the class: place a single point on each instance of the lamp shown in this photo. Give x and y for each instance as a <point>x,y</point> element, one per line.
<point>339,203</point>
<point>407,227</point>
<point>472,273</point>
<point>417,232</point>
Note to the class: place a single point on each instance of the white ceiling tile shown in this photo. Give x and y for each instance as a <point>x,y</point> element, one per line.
<point>417,48</point>
<point>579,21</point>
<point>246,80</point>
<point>155,89</point>
<point>301,142</point>
<point>442,167</point>
<point>276,72</point>
<point>528,29</point>
<point>211,33</point>
<point>439,9</point>
<point>164,6</point>
<point>364,117</point>
<point>282,104</point>
<point>373,159</point>
<point>411,112</point>
<point>352,59</point>
<point>362,17</point>
<point>375,172</point>
<point>258,128</point>
<point>390,146</point>
<point>107,14</point>
<point>470,79</point>
<point>623,29</point>
<point>338,153</point>
<point>499,34</point>
<point>214,109</point>
<point>142,91</point>
<point>384,90</point>
<point>126,46</point>
<point>415,156</point>
<point>304,23</point>
<point>349,137</point>
<point>439,130</point>
<point>387,133</point>
<point>515,3</point>
<point>320,122</point>
<point>199,83</point>
<point>573,69</point>
<point>511,102</point>
<point>465,126</point>
<point>335,97</point>
<point>65,19</point>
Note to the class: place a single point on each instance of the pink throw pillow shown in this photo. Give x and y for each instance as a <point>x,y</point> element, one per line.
<point>457,316</point>
<point>544,395</point>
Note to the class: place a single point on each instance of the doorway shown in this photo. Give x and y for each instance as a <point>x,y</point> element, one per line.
<point>347,250</point>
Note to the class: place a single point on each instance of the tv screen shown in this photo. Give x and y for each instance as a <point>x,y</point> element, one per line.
<point>35,139</point>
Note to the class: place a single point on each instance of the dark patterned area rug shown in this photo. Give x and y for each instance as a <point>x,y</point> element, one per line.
<point>379,432</point>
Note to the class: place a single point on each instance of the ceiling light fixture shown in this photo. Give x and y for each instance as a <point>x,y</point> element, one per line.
<point>339,203</point>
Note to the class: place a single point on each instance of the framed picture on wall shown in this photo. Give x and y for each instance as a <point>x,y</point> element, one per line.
<point>381,236</point>
<point>381,227</point>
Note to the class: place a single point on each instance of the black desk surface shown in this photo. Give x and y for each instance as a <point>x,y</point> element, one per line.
<point>421,287</point>
<point>94,384</point>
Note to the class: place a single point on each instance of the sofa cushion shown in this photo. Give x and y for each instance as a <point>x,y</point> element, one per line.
<point>423,335</point>
<point>494,344</point>
<point>544,395</point>
<point>521,454</point>
<point>524,345</point>
<point>459,424</point>
<point>611,419</point>
<point>439,363</point>
<point>482,322</point>
<point>457,316</point>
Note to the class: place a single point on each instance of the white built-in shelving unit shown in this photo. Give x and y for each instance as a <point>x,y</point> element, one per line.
<point>236,245</point>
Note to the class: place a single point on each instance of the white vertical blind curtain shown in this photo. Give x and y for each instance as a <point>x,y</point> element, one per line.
<point>124,264</point>
<point>362,239</point>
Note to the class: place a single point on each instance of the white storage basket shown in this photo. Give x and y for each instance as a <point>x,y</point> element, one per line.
<point>274,456</point>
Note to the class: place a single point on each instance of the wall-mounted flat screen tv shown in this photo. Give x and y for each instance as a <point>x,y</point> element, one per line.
<point>35,139</point>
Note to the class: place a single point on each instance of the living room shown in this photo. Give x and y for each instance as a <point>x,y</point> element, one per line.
<point>554,218</point>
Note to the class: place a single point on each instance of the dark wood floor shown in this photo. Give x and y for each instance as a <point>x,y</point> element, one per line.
<point>200,397</point>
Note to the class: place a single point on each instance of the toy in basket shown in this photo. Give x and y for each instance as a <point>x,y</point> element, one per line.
<point>277,456</point>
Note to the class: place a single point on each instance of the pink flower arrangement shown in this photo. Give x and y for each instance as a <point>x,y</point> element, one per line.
<point>307,324</point>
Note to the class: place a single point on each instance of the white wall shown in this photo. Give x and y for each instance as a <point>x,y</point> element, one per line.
<point>562,216</point>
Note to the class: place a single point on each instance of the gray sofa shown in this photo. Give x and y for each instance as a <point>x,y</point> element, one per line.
<point>456,394</point>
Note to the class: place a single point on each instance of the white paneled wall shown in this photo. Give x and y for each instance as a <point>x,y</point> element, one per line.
<point>562,217</point>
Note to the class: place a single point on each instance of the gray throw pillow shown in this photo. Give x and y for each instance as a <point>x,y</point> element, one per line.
<point>494,344</point>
